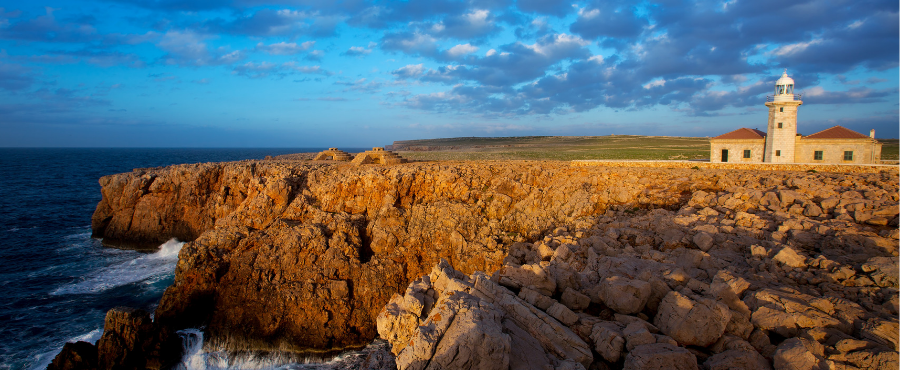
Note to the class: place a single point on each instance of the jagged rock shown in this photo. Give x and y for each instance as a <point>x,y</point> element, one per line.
<point>884,270</point>
<point>789,257</point>
<point>785,311</point>
<point>624,295</point>
<point>575,300</point>
<point>468,327</point>
<point>881,331</point>
<point>636,334</point>
<point>737,360</point>
<point>531,276</point>
<point>131,340</point>
<point>462,331</point>
<point>660,356</point>
<point>873,359</point>
<point>562,313</point>
<point>296,256</point>
<point>703,241</point>
<point>795,354</point>
<point>608,341</point>
<point>75,356</point>
<point>689,321</point>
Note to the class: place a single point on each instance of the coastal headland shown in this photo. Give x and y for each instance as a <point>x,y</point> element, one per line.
<point>298,256</point>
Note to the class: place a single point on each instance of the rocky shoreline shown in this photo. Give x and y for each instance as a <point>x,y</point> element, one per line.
<point>784,268</point>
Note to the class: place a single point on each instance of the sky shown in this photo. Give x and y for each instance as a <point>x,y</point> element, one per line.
<point>359,73</point>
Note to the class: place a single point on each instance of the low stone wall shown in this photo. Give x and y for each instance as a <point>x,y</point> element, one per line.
<point>800,167</point>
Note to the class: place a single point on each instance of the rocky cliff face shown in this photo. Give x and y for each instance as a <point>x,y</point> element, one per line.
<point>293,256</point>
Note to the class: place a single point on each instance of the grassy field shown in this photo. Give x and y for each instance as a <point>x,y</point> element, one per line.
<point>890,150</point>
<point>563,148</point>
<point>567,148</point>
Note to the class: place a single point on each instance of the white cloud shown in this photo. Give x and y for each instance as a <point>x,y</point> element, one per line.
<point>462,49</point>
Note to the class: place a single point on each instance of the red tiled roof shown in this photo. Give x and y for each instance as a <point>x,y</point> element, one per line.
<point>743,133</point>
<point>837,132</point>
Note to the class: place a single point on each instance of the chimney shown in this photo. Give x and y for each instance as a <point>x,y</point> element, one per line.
<point>872,133</point>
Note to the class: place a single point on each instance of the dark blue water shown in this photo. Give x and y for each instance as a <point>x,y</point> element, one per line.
<point>56,283</point>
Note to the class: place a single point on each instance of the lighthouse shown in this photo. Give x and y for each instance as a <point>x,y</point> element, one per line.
<point>781,136</point>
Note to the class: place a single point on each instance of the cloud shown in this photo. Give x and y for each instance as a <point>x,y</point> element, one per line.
<point>857,95</point>
<point>361,84</point>
<point>277,22</point>
<point>557,8</point>
<point>265,69</point>
<point>188,48</point>
<point>15,77</point>
<point>409,71</point>
<point>461,49</point>
<point>609,19</point>
<point>285,48</point>
<point>357,51</point>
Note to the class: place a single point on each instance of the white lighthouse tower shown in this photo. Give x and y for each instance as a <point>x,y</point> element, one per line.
<point>781,137</point>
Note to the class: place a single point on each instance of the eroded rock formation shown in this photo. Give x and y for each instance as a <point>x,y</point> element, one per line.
<point>292,256</point>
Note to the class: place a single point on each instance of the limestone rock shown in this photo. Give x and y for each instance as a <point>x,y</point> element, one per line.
<point>660,356</point>
<point>575,300</point>
<point>690,321</point>
<point>75,356</point>
<point>608,342</point>
<point>703,241</point>
<point>789,257</point>
<point>624,295</point>
<point>881,331</point>
<point>737,360</point>
<point>793,354</point>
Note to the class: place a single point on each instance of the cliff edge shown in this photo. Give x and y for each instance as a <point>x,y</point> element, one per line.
<point>287,255</point>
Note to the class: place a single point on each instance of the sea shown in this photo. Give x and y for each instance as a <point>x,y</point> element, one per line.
<point>56,281</point>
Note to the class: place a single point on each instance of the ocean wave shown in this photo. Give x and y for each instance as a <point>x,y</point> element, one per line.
<point>148,267</point>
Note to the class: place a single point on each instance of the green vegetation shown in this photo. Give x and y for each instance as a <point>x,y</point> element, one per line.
<point>890,149</point>
<point>562,148</point>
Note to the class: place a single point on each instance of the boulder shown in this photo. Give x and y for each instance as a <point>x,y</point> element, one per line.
<point>608,341</point>
<point>75,356</point>
<point>793,354</point>
<point>692,321</point>
<point>623,295</point>
<point>703,241</point>
<point>575,300</point>
<point>659,356</point>
<point>461,332</point>
<point>737,360</point>
<point>789,257</point>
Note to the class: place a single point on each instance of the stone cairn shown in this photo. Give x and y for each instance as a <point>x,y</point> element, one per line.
<point>378,156</point>
<point>333,153</point>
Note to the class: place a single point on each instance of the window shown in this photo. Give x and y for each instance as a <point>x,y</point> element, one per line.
<point>848,155</point>
<point>779,124</point>
<point>746,153</point>
<point>817,155</point>
<point>724,155</point>
<point>781,109</point>
<point>778,153</point>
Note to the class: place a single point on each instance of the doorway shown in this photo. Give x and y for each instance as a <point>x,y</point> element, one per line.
<point>724,155</point>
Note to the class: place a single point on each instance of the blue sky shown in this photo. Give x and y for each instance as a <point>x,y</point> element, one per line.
<point>356,73</point>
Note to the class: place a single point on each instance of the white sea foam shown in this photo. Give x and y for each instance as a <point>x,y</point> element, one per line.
<point>149,267</point>
<point>196,357</point>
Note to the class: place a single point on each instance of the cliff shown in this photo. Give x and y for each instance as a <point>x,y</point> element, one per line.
<point>294,256</point>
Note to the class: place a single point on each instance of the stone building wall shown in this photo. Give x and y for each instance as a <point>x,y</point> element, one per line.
<point>736,149</point>
<point>833,150</point>
<point>781,139</point>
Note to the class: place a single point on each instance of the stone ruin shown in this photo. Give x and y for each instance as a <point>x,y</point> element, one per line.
<point>378,156</point>
<point>333,153</point>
